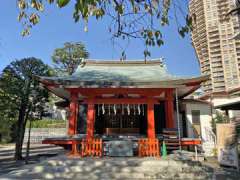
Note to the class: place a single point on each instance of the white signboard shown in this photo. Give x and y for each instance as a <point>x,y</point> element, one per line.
<point>228,156</point>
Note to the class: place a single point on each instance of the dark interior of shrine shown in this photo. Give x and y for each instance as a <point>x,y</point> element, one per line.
<point>122,119</point>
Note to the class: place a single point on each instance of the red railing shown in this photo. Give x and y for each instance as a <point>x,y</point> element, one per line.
<point>92,147</point>
<point>148,147</point>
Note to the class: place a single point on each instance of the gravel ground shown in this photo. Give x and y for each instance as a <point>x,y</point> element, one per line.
<point>38,152</point>
<point>50,162</point>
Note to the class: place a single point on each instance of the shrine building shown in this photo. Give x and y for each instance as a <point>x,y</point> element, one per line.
<point>121,100</point>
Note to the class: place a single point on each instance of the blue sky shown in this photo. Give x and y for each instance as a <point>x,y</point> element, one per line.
<point>57,26</point>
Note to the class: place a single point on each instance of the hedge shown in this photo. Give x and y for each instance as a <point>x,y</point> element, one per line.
<point>47,123</point>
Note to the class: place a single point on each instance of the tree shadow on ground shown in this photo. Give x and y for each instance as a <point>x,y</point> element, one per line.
<point>37,153</point>
<point>113,168</point>
<point>42,166</point>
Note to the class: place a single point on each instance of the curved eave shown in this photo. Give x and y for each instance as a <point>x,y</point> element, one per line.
<point>58,86</point>
<point>69,83</point>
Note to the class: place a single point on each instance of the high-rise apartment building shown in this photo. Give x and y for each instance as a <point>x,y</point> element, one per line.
<point>217,49</point>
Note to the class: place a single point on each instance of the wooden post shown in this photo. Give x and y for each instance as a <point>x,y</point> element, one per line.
<point>169,110</point>
<point>90,120</point>
<point>150,120</point>
<point>73,110</point>
<point>72,121</point>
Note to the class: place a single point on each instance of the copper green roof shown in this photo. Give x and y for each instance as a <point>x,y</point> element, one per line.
<point>117,73</point>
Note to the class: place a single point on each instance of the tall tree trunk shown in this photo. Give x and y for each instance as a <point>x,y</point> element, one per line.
<point>28,141</point>
<point>21,122</point>
<point>20,129</point>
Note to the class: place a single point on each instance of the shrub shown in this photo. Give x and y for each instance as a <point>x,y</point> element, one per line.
<point>47,123</point>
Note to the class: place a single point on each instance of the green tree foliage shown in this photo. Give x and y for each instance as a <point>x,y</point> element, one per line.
<point>129,18</point>
<point>23,95</point>
<point>7,115</point>
<point>67,58</point>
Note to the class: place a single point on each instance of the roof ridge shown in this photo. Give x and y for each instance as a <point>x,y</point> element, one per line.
<point>125,62</point>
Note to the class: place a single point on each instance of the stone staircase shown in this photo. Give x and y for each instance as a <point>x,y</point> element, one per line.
<point>114,168</point>
<point>208,148</point>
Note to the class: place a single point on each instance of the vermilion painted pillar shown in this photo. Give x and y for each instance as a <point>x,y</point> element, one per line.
<point>73,110</point>
<point>90,120</point>
<point>169,109</point>
<point>150,120</point>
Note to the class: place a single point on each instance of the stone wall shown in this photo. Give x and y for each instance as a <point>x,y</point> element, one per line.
<point>38,134</point>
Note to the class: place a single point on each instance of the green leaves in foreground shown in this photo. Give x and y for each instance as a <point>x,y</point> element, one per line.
<point>62,3</point>
<point>127,19</point>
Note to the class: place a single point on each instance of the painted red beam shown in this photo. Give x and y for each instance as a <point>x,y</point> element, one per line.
<point>100,91</point>
<point>188,142</point>
<point>122,101</point>
<point>57,142</point>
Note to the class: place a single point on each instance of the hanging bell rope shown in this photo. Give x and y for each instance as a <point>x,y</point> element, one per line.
<point>109,109</point>
<point>143,109</point>
<point>98,109</point>
<point>134,110</point>
<point>122,109</point>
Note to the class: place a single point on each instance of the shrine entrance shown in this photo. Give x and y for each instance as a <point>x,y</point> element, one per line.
<point>120,119</point>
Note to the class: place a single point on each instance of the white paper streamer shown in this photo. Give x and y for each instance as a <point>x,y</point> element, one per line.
<point>128,109</point>
<point>139,110</point>
<point>103,109</point>
<point>114,109</point>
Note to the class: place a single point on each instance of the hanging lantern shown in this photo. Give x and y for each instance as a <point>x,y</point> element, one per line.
<point>103,109</point>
